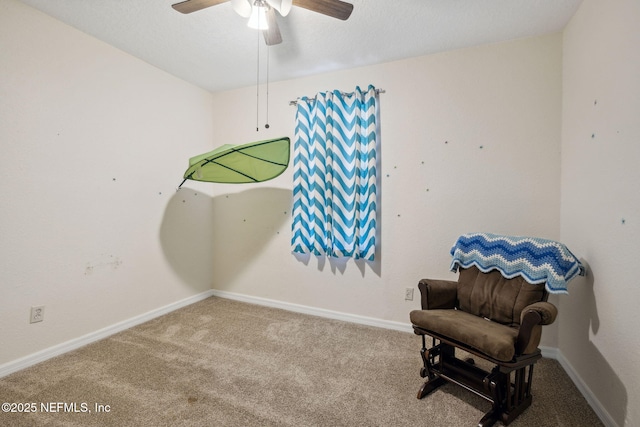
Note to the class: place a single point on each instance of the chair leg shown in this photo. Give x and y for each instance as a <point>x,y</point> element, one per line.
<point>510,399</point>
<point>429,386</point>
<point>424,354</point>
<point>489,418</point>
<point>495,385</point>
<point>519,395</point>
<point>427,371</point>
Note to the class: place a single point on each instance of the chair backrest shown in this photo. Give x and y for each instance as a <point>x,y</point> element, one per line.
<point>495,297</point>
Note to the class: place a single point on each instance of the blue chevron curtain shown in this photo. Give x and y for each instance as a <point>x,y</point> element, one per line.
<point>334,167</point>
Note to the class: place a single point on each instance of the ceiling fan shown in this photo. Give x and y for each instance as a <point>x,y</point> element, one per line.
<point>261,13</point>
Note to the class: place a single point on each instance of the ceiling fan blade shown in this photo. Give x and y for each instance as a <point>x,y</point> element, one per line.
<point>334,8</point>
<point>189,6</point>
<point>272,35</point>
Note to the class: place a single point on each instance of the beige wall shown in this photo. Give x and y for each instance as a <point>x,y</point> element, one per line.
<point>94,143</point>
<point>470,142</point>
<point>599,320</point>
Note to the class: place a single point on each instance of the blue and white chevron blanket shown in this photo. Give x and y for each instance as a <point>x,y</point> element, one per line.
<point>536,260</point>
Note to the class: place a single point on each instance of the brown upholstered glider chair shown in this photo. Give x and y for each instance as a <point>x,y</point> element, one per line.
<point>491,317</point>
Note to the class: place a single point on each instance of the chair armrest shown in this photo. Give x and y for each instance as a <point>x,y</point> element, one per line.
<point>546,310</point>
<point>438,294</point>
<point>532,318</point>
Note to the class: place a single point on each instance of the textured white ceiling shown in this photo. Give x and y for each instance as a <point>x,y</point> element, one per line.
<point>214,49</point>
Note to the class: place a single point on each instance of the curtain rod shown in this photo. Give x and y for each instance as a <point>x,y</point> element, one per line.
<point>378,91</point>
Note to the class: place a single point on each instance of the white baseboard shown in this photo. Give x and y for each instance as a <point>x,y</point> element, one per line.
<point>56,350</point>
<point>595,404</point>
<point>314,311</point>
<point>601,412</point>
<point>549,352</point>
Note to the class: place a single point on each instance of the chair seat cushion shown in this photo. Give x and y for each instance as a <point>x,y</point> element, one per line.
<point>491,338</point>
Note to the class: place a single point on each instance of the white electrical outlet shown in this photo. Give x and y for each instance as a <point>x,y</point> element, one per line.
<point>408,294</point>
<point>37,314</point>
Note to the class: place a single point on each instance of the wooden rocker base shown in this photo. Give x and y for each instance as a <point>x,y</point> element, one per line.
<point>507,386</point>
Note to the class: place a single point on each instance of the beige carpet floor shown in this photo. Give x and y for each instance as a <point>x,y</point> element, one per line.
<point>225,363</point>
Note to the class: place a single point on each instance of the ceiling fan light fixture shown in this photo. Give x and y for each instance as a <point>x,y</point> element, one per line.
<point>258,18</point>
<point>282,6</point>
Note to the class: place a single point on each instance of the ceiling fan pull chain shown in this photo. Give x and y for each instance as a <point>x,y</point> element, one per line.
<point>258,82</point>
<point>267,118</point>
